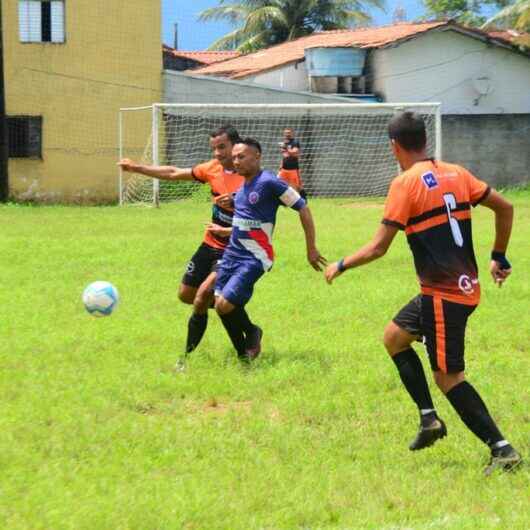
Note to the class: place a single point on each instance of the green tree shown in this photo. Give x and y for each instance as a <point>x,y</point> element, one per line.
<point>261,23</point>
<point>515,16</point>
<point>467,12</point>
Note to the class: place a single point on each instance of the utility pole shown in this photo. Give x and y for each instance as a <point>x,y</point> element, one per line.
<point>4,148</point>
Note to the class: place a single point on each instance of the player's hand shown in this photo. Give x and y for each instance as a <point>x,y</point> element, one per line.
<point>315,259</point>
<point>225,200</point>
<point>127,164</point>
<point>220,231</point>
<point>499,275</point>
<point>332,272</point>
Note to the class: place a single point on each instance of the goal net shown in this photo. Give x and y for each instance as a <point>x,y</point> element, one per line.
<point>345,150</point>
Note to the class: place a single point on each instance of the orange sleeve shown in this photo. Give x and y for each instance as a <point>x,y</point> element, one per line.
<point>397,205</point>
<point>201,172</point>
<point>478,189</point>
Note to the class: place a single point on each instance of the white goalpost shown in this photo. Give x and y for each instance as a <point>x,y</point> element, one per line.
<point>345,151</point>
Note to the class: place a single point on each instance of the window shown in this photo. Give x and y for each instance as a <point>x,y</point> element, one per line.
<point>41,20</point>
<point>25,136</point>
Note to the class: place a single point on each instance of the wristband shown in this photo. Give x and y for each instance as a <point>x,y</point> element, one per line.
<point>500,258</point>
<point>340,265</point>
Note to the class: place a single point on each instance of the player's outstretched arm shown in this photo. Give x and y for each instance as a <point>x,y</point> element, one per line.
<point>377,248</point>
<point>159,172</point>
<point>500,267</point>
<point>313,255</point>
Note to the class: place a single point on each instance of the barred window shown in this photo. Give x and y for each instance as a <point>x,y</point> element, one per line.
<point>25,136</point>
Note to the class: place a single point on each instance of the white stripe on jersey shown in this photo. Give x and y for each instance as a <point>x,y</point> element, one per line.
<point>290,197</point>
<point>257,251</point>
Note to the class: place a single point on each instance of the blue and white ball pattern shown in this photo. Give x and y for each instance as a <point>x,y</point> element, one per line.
<point>100,299</point>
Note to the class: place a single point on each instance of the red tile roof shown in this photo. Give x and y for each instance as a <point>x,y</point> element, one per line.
<point>204,57</point>
<point>293,51</point>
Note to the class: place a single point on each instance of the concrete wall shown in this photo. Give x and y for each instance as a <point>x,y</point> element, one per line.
<point>186,88</point>
<point>442,66</point>
<point>496,148</point>
<point>289,77</point>
<point>111,59</point>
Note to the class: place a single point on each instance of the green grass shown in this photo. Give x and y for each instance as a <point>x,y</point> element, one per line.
<point>98,432</point>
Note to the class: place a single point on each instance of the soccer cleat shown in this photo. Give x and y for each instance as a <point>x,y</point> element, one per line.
<point>427,435</point>
<point>505,459</point>
<point>253,343</point>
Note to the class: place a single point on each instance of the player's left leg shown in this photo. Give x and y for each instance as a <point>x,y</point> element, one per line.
<point>446,352</point>
<point>234,288</point>
<point>199,319</point>
<point>399,335</point>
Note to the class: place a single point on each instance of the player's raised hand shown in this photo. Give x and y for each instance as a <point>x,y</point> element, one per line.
<point>225,200</point>
<point>127,164</point>
<point>332,272</point>
<point>316,260</point>
<point>498,273</point>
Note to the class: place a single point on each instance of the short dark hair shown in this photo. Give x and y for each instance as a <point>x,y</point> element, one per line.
<point>230,131</point>
<point>408,130</point>
<point>251,143</point>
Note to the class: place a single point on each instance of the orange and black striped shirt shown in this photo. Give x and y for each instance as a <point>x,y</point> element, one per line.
<point>432,202</point>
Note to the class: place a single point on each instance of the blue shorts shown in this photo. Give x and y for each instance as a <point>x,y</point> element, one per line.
<point>236,279</point>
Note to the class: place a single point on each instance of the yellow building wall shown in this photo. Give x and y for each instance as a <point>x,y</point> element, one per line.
<point>111,58</point>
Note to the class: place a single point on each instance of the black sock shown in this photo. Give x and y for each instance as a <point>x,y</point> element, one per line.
<point>413,377</point>
<point>196,328</point>
<point>474,413</point>
<point>244,321</point>
<point>235,329</point>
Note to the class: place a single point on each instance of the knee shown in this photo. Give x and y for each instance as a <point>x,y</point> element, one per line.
<point>186,294</point>
<point>446,382</point>
<point>202,301</point>
<point>223,306</point>
<point>392,339</point>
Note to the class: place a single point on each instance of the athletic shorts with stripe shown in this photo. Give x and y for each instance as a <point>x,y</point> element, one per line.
<point>443,326</point>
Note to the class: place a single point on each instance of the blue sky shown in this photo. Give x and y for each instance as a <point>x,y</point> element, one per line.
<point>195,35</point>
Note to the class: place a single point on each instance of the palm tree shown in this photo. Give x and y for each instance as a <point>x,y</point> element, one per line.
<point>262,23</point>
<point>514,16</point>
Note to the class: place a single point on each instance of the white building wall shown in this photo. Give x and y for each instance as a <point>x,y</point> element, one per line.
<point>289,77</point>
<point>442,66</point>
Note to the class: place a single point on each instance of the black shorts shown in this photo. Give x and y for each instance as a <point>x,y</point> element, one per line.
<point>443,327</point>
<point>202,263</point>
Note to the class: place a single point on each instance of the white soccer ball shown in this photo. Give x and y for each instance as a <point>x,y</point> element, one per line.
<point>100,299</point>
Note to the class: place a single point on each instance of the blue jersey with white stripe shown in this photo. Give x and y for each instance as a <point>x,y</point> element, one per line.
<point>256,204</point>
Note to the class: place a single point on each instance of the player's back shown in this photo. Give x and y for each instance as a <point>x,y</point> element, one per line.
<point>432,202</point>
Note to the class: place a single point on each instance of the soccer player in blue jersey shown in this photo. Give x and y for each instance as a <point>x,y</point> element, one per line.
<point>249,253</point>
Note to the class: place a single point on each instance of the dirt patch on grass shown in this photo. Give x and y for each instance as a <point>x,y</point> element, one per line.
<point>217,406</point>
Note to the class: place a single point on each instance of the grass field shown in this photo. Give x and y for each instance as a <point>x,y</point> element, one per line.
<point>97,431</point>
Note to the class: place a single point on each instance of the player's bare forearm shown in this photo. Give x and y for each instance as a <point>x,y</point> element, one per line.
<point>159,172</point>
<point>503,219</point>
<point>313,255</point>
<point>373,250</point>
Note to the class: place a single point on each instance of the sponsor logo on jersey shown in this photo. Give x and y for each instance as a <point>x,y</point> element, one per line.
<point>429,180</point>
<point>466,284</point>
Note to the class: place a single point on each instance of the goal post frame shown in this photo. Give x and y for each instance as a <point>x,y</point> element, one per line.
<point>155,129</point>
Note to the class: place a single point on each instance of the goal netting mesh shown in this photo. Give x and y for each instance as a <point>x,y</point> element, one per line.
<point>345,150</point>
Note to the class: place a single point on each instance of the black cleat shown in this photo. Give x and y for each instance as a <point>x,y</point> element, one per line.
<point>427,435</point>
<point>505,459</point>
<point>253,343</point>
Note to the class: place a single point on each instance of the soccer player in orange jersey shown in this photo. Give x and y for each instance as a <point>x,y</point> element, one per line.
<point>431,201</point>
<point>199,279</point>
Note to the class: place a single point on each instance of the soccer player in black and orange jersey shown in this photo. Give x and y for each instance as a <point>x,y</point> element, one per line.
<point>431,201</point>
<point>199,280</point>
